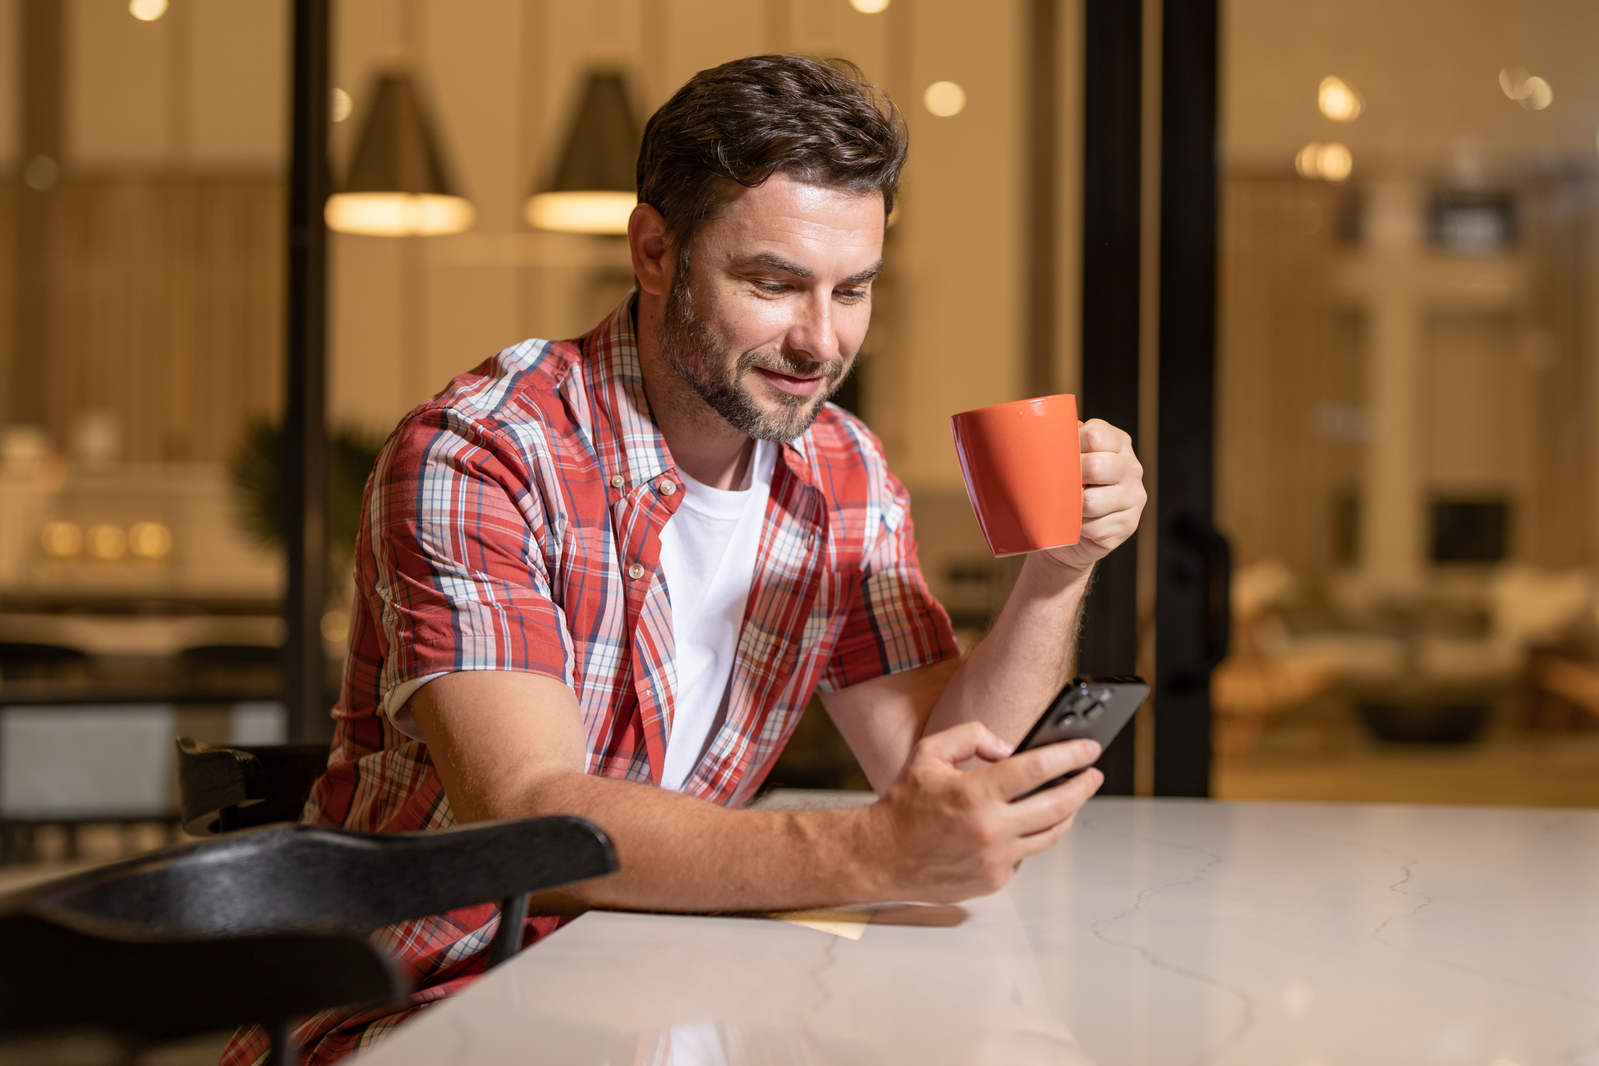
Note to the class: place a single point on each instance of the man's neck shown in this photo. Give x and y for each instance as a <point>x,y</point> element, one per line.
<point>702,443</point>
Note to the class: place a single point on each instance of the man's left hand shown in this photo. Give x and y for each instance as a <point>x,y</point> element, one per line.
<point>1113,495</point>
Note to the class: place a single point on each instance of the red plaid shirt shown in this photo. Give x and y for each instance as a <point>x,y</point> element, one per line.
<point>513,523</point>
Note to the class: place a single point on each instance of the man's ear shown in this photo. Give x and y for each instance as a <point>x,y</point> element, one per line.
<point>646,240</point>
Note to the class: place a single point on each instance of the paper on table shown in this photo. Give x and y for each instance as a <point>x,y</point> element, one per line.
<point>852,921</point>
<point>847,922</point>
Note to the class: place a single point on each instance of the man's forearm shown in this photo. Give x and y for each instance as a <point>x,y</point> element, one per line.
<point>1010,677</point>
<point>679,853</point>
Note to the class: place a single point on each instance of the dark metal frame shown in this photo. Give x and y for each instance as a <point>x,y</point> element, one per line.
<point>305,442</point>
<point>1191,609</point>
<point>1112,203</point>
<point>1191,612</point>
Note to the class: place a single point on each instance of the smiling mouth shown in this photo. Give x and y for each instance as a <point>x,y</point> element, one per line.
<point>792,384</point>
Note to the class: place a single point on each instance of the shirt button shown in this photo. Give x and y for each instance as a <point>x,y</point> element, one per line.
<point>635,571</point>
<point>667,488</point>
<point>617,481</point>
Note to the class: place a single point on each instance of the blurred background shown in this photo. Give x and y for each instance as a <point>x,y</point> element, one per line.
<point>1406,378</point>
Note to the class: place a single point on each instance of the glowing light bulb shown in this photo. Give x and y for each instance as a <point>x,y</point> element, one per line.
<point>869,7</point>
<point>335,627</point>
<point>398,214</point>
<point>1338,99</point>
<point>61,540</point>
<point>1539,94</point>
<point>341,105</point>
<point>149,540</point>
<point>597,212</point>
<point>106,541</point>
<point>147,10</point>
<point>1530,91</point>
<point>1337,162</point>
<point>944,99</point>
<point>1329,162</point>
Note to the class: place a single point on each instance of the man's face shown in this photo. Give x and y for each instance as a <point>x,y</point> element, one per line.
<point>768,320</point>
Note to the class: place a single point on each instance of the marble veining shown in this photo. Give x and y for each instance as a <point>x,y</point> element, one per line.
<point>1102,928</point>
<point>1159,932</point>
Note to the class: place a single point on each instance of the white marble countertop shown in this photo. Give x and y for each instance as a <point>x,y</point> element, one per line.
<point>1158,933</point>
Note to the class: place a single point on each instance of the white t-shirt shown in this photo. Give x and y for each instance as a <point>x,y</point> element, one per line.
<point>708,559</point>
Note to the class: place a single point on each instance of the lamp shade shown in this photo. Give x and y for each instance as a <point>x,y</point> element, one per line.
<point>594,188</point>
<point>398,184</point>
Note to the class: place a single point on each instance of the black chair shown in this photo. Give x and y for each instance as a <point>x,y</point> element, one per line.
<point>259,926</point>
<point>223,789</point>
<point>40,662</point>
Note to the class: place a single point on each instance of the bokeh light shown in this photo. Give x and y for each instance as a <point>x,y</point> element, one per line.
<point>147,10</point>
<point>1338,99</point>
<point>1530,91</point>
<point>398,214</point>
<point>106,541</point>
<point>1327,162</point>
<point>944,99</point>
<point>61,540</point>
<point>149,540</point>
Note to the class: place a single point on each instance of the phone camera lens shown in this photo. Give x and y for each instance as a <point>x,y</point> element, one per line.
<point>1094,712</point>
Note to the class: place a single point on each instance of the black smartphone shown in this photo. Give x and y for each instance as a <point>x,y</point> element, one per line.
<point>1093,708</point>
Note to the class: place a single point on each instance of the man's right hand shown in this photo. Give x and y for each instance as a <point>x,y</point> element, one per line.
<point>943,834</point>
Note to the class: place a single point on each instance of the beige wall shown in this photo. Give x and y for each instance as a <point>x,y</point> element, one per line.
<point>206,83</point>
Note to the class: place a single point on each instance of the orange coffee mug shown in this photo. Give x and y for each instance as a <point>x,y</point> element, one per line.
<point>1023,468</point>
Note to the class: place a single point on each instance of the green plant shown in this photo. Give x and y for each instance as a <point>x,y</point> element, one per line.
<point>256,471</point>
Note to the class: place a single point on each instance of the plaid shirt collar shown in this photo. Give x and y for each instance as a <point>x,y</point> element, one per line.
<point>634,447</point>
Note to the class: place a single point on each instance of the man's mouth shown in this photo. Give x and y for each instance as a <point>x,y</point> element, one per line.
<point>792,384</point>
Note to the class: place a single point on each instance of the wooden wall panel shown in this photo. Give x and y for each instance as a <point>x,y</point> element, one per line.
<point>167,311</point>
<point>1288,374</point>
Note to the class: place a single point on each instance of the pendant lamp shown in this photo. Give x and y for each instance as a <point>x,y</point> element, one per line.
<point>594,188</point>
<point>398,185</point>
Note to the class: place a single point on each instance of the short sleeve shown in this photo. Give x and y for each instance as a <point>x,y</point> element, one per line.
<point>457,547</point>
<point>893,623</point>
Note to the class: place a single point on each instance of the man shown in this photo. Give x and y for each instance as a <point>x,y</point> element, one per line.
<point>604,577</point>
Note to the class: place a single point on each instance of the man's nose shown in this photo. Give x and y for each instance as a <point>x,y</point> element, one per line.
<point>812,332</point>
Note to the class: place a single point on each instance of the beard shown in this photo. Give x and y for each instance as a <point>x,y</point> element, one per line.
<point>692,350</point>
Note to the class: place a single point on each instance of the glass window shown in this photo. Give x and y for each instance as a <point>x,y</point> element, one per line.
<point>1407,365</point>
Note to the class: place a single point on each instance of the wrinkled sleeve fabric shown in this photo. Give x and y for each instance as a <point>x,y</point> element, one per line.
<point>893,623</point>
<point>459,544</point>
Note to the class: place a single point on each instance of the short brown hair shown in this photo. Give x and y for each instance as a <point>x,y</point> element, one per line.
<point>744,121</point>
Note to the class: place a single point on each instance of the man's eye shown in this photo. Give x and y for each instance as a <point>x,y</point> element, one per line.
<point>853,294</point>
<point>773,287</point>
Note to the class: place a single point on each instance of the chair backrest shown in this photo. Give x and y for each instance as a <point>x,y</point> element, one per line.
<point>69,974</point>
<point>301,877</point>
<point>258,926</point>
<point>222,789</point>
